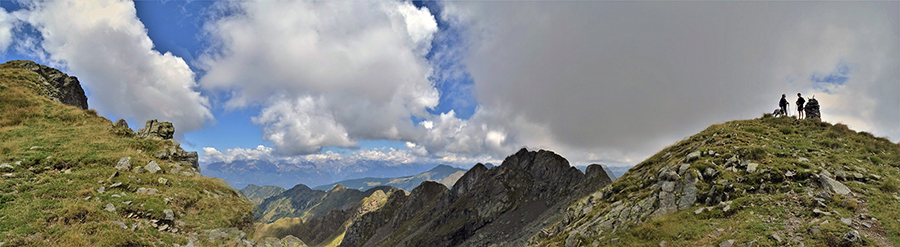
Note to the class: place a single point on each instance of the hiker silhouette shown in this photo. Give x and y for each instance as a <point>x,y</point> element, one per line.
<point>783,104</point>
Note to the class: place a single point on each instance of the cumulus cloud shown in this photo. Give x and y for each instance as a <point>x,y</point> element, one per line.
<point>7,23</point>
<point>620,80</point>
<point>327,73</point>
<point>259,153</point>
<point>107,47</point>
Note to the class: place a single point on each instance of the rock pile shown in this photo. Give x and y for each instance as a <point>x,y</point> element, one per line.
<point>156,130</point>
<point>56,85</point>
<point>812,109</point>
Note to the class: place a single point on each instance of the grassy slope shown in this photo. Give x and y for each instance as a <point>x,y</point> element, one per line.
<point>44,204</point>
<point>777,144</point>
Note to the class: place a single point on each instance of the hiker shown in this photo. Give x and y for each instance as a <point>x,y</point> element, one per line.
<point>783,104</point>
<point>800,102</point>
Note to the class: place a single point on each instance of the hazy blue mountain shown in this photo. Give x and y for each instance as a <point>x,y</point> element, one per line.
<point>240,173</point>
<point>444,174</point>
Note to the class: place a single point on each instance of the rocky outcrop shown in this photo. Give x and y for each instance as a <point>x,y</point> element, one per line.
<point>157,130</point>
<point>56,85</point>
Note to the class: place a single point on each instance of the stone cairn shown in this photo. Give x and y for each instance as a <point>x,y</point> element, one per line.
<point>812,109</point>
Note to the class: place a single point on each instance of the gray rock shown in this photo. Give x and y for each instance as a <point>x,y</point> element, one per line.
<point>274,242</point>
<point>833,185</point>
<point>801,159</point>
<point>101,190</point>
<point>727,243</point>
<point>614,241</point>
<point>692,156</point>
<point>689,192</point>
<point>55,84</point>
<point>162,181</point>
<point>152,167</point>
<point>820,212</point>
<point>851,237</point>
<point>710,173</point>
<point>170,215</point>
<point>751,167</point>
<point>662,243</point>
<point>122,124</point>
<point>157,130</point>
<point>777,238</point>
<point>668,186</point>
<point>146,191</point>
<point>163,227</point>
<point>573,240</point>
<point>683,168</point>
<point>110,207</point>
<point>846,221</point>
<point>815,230</point>
<point>117,184</point>
<point>9,175</point>
<point>120,224</point>
<point>5,167</point>
<point>666,205</point>
<point>124,163</point>
<point>789,174</point>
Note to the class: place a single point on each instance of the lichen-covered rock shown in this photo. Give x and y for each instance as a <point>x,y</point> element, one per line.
<point>154,129</point>
<point>124,163</point>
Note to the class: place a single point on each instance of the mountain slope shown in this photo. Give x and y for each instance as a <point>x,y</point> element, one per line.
<point>444,174</point>
<point>256,194</point>
<point>767,181</point>
<point>502,205</point>
<point>67,177</point>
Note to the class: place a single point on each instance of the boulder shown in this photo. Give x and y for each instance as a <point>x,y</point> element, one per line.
<point>832,184</point>
<point>55,84</point>
<point>154,129</point>
<point>122,124</point>
<point>124,163</point>
<point>851,238</point>
<point>152,167</point>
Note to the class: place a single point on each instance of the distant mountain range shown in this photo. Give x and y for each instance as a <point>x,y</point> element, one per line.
<point>240,173</point>
<point>444,174</point>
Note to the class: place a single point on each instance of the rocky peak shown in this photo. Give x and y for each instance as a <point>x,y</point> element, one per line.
<point>467,181</point>
<point>56,85</point>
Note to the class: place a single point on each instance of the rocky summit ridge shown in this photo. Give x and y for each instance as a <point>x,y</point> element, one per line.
<point>761,182</point>
<point>504,205</point>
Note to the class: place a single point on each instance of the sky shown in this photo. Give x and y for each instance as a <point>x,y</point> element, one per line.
<point>460,82</point>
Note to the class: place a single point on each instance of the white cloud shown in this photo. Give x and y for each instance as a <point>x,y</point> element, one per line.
<point>621,80</point>
<point>7,23</point>
<point>261,152</point>
<point>328,73</point>
<point>106,46</point>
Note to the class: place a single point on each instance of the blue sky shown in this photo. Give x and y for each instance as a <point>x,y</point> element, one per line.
<point>461,82</point>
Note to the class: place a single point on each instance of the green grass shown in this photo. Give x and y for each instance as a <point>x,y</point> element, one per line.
<point>44,204</point>
<point>776,144</point>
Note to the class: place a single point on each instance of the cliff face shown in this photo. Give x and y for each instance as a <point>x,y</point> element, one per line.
<point>54,84</point>
<point>504,205</point>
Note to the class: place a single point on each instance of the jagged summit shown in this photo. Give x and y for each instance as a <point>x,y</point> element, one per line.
<point>502,205</point>
<point>767,181</point>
